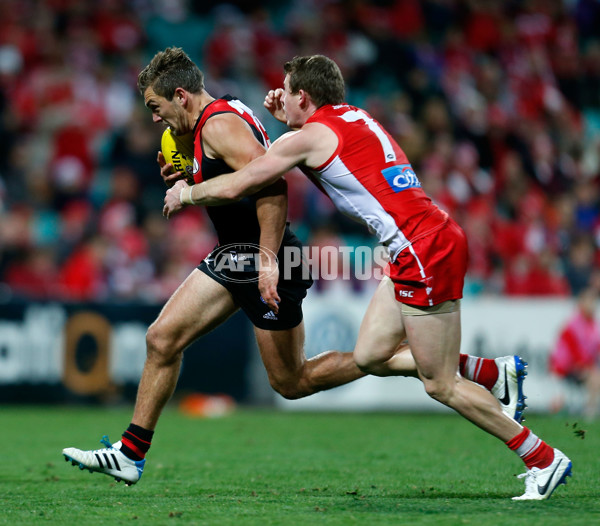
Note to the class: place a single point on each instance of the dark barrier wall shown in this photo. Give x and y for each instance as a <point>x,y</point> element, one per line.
<point>54,352</point>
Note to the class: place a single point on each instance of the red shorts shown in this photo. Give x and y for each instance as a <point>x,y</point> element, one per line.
<point>432,270</point>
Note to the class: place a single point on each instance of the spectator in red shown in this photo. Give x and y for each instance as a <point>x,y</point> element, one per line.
<point>535,275</point>
<point>81,278</point>
<point>32,275</point>
<point>576,354</point>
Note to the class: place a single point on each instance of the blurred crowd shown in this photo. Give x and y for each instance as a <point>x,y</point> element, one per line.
<point>497,105</point>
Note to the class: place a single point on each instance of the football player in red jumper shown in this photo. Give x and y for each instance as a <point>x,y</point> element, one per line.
<point>368,177</point>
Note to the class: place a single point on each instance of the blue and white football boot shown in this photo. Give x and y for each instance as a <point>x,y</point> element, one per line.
<point>110,461</point>
<point>540,483</point>
<point>508,388</point>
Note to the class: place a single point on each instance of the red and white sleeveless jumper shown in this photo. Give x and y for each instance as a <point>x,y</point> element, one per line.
<point>370,179</point>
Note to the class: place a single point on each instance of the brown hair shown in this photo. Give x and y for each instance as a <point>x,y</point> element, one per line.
<point>319,76</point>
<point>168,70</point>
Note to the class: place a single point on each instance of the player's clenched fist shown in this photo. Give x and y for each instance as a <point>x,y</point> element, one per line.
<point>173,199</point>
<point>274,104</point>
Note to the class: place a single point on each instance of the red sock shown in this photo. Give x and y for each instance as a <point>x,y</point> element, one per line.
<point>532,450</point>
<point>482,371</point>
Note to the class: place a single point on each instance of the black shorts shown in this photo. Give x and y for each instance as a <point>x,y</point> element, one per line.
<point>244,289</point>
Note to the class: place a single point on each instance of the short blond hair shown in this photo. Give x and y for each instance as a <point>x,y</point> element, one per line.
<point>168,70</point>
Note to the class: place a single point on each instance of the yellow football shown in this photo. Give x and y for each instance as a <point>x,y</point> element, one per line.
<point>178,150</point>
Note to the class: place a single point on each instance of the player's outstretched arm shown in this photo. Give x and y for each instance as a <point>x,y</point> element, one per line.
<point>261,172</point>
<point>311,146</point>
<point>226,188</point>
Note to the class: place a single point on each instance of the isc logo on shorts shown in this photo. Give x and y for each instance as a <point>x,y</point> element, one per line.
<point>406,293</point>
<point>401,177</point>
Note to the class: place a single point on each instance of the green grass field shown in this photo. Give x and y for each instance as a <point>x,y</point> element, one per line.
<point>272,468</point>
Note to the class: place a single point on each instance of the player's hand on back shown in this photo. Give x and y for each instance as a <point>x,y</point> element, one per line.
<point>166,171</point>
<point>274,104</point>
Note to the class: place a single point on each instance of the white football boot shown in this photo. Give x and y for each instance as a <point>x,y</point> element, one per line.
<point>109,461</point>
<point>540,483</point>
<point>508,388</point>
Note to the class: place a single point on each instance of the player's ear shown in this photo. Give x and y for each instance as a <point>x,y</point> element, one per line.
<point>304,98</point>
<point>180,96</point>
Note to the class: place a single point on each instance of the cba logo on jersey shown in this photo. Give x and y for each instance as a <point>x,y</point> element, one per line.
<point>401,177</point>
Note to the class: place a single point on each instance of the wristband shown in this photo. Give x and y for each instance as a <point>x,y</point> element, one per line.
<point>185,196</point>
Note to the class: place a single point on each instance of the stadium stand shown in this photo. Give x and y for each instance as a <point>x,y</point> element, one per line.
<point>497,104</point>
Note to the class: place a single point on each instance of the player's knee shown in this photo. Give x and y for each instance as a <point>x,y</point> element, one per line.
<point>159,346</point>
<point>291,389</point>
<point>439,390</point>
<point>367,363</point>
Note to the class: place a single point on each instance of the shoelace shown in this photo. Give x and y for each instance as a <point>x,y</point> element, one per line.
<point>530,479</point>
<point>106,442</point>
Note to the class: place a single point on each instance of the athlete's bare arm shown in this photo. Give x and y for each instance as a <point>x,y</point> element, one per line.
<point>311,146</point>
<point>271,211</point>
